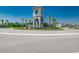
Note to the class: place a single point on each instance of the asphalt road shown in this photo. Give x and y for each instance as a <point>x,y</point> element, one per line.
<point>39,43</point>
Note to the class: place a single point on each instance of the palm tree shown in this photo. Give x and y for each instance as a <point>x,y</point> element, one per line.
<point>22,22</point>
<point>54,20</point>
<point>29,24</point>
<point>6,23</point>
<point>26,24</point>
<point>49,19</point>
<point>2,21</point>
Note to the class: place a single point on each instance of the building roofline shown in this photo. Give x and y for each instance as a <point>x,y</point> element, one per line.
<point>38,7</point>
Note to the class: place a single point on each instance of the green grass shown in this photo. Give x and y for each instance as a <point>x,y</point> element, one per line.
<point>21,28</point>
<point>49,29</point>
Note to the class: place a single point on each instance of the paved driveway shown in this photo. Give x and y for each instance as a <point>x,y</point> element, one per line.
<point>39,43</point>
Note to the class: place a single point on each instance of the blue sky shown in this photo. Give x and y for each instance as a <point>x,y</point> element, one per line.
<point>64,14</point>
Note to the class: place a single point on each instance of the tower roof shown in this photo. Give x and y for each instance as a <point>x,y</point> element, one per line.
<point>38,7</point>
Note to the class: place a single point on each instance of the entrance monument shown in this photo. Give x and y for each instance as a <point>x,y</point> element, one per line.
<point>38,17</point>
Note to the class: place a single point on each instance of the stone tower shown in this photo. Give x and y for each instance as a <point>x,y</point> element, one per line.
<point>38,17</point>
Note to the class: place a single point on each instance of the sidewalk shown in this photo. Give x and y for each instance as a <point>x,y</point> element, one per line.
<point>25,32</point>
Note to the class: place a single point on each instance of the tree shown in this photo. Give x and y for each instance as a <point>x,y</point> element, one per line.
<point>29,24</point>
<point>22,22</point>
<point>2,21</point>
<point>49,19</point>
<point>6,23</point>
<point>54,24</point>
<point>26,24</point>
<point>45,24</point>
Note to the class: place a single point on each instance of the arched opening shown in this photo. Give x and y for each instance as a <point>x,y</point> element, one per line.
<point>37,22</point>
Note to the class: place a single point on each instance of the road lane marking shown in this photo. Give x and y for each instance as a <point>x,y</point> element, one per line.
<point>40,34</point>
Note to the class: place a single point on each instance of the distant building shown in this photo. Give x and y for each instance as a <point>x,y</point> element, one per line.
<point>38,17</point>
<point>0,22</point>
<point>59,25</point>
